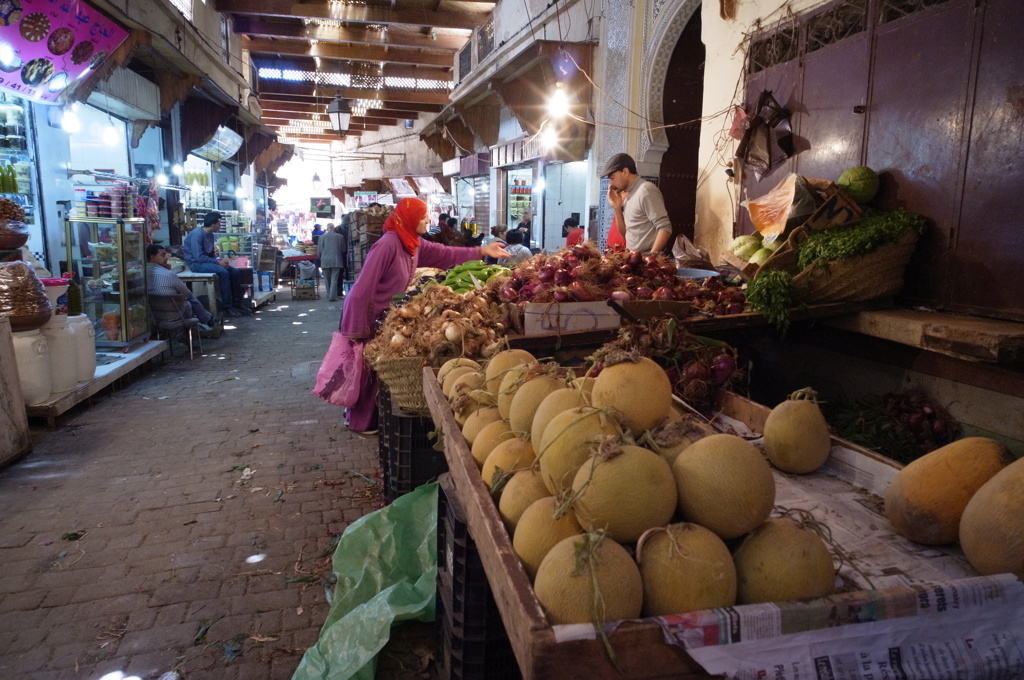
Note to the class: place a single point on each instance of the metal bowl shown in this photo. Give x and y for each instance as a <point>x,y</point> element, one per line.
<point>695,273</point>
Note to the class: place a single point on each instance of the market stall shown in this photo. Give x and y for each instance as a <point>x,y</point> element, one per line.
<point>634,346</point>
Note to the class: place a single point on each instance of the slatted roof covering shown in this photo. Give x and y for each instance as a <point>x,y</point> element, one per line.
<point>391,60</point>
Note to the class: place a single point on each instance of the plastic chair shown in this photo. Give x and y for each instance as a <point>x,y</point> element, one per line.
<point>168,315</point>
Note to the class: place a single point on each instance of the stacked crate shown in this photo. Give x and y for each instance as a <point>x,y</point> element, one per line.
<point>471,639</point>
<point>368,230</point>
<point>407,454</point>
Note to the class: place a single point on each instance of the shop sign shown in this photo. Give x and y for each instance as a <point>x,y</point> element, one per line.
<point>516,152</point>
<point>321,206</point>
<point>48,45</point>
<point>365,198</point>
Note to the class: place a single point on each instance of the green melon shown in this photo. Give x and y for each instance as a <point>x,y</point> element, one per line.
<point>760,256</point>
<point>860,183</point>
<point>745,246</point>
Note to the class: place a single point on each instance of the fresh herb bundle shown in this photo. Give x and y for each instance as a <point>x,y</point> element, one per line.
<point>874,230</point>
<point>770,293</point>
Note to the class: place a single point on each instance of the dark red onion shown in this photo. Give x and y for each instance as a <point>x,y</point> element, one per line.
<point>580,292</point>
<point>651,260</point>
<point>581,252</point>
<point>616,282</point>
<point>644,293</point>
<point>696,371</point>
<point>634,282</point>
<point>546,273</point>
<point>561,295</point>
<point>509,293</point>
<point>664,293</point>
<point>669,270</point>
<point>635,258</point>
<point>652,273</point>
<point>620,295</point>
<point>722,368</point>
<point>570,261</point>
<point>595,370</point>
<point>626,269</point>
<point>562,278</point>
<point>735,308</point>
<point>530,291</point>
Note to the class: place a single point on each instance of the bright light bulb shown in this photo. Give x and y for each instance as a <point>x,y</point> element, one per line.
<point>161,178</point>
<point>240,192</point>
<point>247,205</point>
<point>558,103</point>
<point>110,135</point>
<point>177,169</point>
<point>549,137</point>
<point>538,187</point>
<point>195,186</point>
<point>69,122</point>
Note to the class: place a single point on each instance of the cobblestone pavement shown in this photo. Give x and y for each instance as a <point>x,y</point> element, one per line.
<point>185,522</point>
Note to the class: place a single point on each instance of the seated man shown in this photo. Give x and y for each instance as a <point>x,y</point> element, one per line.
<point>201,257</point>
<point>160,280</point>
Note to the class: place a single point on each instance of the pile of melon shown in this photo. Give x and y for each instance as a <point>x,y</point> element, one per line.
<point>620,506</point>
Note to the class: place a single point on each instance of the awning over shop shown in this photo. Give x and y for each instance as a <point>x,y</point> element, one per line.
<point>270,161</point>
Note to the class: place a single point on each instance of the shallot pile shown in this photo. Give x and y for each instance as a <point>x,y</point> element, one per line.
<point>583,274</point>
<point>439,324</point>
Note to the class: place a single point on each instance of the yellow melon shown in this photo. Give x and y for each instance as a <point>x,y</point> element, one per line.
<point>507,458</point>
<point>523,490</point>
<point>685,567</point>
<point>796,436</point>
<point>992,526</point>
<point>528,399</point>
<point>724,484</point>
<point>553,404</point>
<point>477,420</point>
<point>567,443</point>
<point>501,362</point>
<point>926,499</point>
<point>639,392</point>
<point>782,560</point>
<point>489,437</point>
<point>589,579</point>
<point>538,530</point>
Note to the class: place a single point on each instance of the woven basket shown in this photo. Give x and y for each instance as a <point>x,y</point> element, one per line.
<point>404,378</point>
<point>877,274</point>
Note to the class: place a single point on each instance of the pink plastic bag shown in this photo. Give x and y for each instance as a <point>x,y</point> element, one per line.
<point>337,381</point>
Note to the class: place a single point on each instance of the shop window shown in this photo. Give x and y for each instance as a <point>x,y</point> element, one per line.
<point>897,9</point>
<point>842,21</point>
<point>773,49</point>
<point>485,40</point>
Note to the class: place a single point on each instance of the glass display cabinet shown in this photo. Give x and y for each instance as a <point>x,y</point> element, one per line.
<point>108,258</point>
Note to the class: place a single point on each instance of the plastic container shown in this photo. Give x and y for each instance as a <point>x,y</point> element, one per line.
<point>85,344</point>
<point>32,355</point>
<point>60,336</point>
<point>56,290</point>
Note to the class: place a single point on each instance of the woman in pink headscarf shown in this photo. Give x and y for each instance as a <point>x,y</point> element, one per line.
<point>387,271</point>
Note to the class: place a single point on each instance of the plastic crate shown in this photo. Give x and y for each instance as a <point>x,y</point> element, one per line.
<point>407,454</point>
<point>471,637</point>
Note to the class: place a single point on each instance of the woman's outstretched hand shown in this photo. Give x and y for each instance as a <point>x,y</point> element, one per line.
<point>493,249</point>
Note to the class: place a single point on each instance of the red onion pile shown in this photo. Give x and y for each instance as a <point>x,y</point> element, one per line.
<point>584,274</point>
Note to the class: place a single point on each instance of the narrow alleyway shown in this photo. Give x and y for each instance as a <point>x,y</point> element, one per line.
<point>186,522</point>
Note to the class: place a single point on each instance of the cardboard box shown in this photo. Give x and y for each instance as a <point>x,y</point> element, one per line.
<point>836,208</point>
<point>304,294</point>
<point>563,317</point>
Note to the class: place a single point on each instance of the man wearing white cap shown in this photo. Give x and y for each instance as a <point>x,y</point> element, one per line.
<point>639,206</point>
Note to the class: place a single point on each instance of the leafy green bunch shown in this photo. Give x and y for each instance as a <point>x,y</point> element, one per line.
<point>877,228</point>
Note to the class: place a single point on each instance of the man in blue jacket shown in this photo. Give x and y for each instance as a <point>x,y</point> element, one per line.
<point>201,257</point>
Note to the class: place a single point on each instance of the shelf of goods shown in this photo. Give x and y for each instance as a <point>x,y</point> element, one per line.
<point>16,157</point>
<point>106,201</point>
<point>843,496</point>
<point>108,256</point>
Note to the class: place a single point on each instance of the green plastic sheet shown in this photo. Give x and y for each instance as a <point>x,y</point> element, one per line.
<point>386,566</point>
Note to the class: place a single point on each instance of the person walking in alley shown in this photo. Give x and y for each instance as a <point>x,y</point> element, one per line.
<point>388,270</point>
<point>331,249</point>
<point>201,257</point>
<point>639,206</point>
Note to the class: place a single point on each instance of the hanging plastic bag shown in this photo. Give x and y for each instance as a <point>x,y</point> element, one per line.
<point>340,374</point>
<point>783,208</point>
<point>768,140</point>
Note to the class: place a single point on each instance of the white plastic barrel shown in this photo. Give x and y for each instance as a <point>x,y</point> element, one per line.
<point>63,353</point>
<point>85,341</point>
<point>31,353</point>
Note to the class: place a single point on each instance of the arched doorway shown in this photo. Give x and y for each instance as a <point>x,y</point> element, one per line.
<point>682,101</point>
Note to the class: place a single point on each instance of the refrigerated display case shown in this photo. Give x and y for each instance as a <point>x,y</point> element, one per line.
<point>108,258</point>
<point>17,164</point>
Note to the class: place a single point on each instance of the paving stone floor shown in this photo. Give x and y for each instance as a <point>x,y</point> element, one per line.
<point>182,524</point>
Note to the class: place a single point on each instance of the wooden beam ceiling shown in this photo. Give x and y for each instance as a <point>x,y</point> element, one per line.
<point>308,65</point>
<point>371,14</point>
<point>293,89</point>
<point>271,107</point>
<point>397,55</point>
<point>327,93</point>
<point>335,35</point>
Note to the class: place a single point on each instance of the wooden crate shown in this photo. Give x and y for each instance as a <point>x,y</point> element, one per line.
<point>640,646</point>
